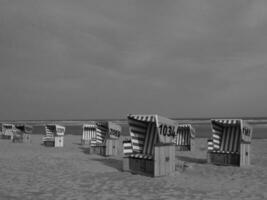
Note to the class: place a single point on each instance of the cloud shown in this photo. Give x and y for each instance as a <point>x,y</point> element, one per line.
<point>176,57</point>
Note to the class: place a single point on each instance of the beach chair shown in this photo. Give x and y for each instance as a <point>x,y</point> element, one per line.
<point>22,133</point>
<point>54,135</point>
<point>185,137</point>
<point>152,147</point>
<point>104,138</point>
<point>230,142</point>
<point>88,133</point>
<point>7,131</point>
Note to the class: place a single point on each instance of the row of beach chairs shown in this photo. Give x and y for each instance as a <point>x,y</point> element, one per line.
<point>16,132</point>
<point>153,141</point>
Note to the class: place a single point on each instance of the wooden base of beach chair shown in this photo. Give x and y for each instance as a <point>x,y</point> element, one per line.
<point>183,148</point>
<point>85,142</point>
<point>17,139</point>
<point>26,138</point>
<point>49,143</point>
<point>193,145</point>
<point>109,149</point>
<point>241,159</point>
<point>6,137</point>
<point>98,149</point>
<point>126,164</point>
<point>220,158</point>
<point>164,159</point>
<point>141,166</point>
<point>112,147</point>
<point>245,154</point>
<point>59,141</point>
<point>161,164</point>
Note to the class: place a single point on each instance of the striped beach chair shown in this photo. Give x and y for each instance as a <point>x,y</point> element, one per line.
<point>54,135</point>
<point>22,133</point>
<point>104,138</point>
<point>230,142</point>
<point>151,149</point>
<point>7,131</point>
<point>89,133</point>
<point>184,138</point>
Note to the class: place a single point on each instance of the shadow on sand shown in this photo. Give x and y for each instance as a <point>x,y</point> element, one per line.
<point>77,143</point>
<point>191,159</point>
<point>84,149</point>
<point>110,162</point>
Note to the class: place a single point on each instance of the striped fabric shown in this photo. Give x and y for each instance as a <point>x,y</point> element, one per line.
<point>89,131</point>
<point>143,133</point>
<point>210,145</point>
<point>93,142</point>
<point>184,134</point>
<point>151,139</point>
<point>96,132</point>
<point>142,156</point>
<point>7,129</point>
<point>23,128</point>
<point>127,147</point>
<point>226,135</point>
<point>48,138</point>
<point>143,118</point>
<point>101,132</point>
<point>52,130</point>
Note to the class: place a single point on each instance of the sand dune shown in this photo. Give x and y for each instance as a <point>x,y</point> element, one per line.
<point>32,171</point>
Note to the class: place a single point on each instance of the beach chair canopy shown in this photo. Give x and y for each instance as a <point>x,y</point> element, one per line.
<point>23,128</point>
<point>54,130</point>
<point>8,126</point>
<point>89,131</point>
<point>7,129</point>
<point>147,130</point>
<point>227,134</point>
<point>184,134</point>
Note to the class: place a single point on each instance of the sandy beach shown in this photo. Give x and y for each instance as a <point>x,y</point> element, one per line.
<point>32,171</point>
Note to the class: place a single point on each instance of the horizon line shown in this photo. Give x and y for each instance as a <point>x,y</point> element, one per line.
<point>121,119</point>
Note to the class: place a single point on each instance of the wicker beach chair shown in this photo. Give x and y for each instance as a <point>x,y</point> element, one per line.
<point>153,151</point>
<point>230,142</point>
<point>184,138</point>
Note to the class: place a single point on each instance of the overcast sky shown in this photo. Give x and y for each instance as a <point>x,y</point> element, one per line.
<point>65,59</point>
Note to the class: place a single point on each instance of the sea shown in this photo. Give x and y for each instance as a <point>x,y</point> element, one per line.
<point>202,126</point>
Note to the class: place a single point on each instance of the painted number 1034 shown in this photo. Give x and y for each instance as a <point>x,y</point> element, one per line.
<point>167,130</point>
